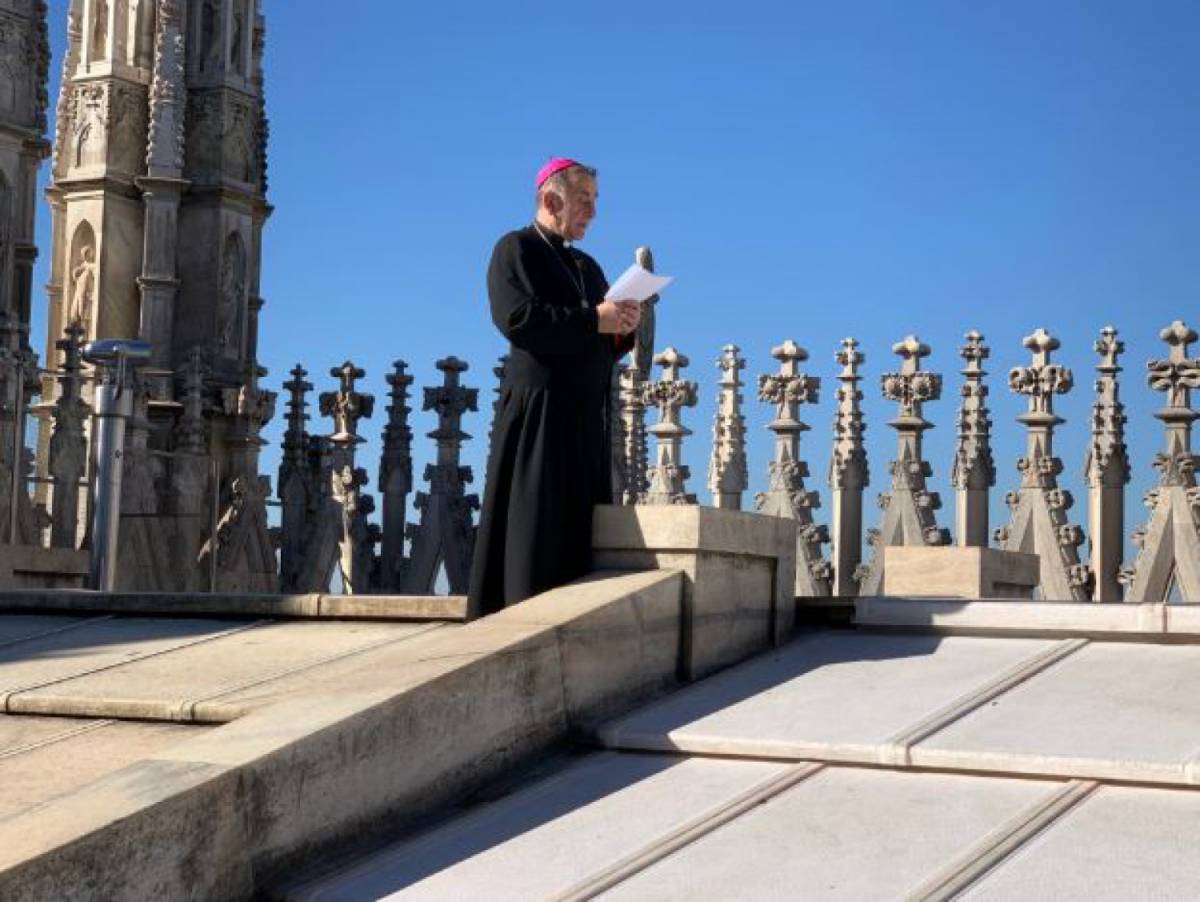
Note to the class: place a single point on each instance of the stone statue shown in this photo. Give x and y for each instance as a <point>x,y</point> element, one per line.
<point>83,287</point>
<point>233,287</point>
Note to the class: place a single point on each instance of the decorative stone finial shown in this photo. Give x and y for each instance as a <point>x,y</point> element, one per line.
<point>1169,543</point>
<point>727,476</point>
<point>974,467</point>
<point>786,494</point>
<point>1039,506</point>
<point>670,394</point>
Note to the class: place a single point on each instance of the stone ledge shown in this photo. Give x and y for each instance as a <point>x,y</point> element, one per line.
<point>203,604</point>
<point>373,745</point>
<point>1111,620</point>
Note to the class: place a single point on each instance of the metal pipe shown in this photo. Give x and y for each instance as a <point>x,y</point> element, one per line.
<point>114,408</point>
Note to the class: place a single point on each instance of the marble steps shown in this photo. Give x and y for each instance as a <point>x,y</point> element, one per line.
<point>1050,708</point>
<point>644,827</point>
<point>178,671</point>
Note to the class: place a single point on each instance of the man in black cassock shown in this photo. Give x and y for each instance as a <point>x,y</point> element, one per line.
<point>550,459</point>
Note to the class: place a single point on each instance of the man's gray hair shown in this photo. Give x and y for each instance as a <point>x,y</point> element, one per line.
<point>563,180</point>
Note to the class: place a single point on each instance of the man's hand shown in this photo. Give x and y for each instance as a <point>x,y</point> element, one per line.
<point>618,317</point>
<point>631,315</point>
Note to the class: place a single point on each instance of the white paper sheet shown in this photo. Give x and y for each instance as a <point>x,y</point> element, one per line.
<point>637,284</point>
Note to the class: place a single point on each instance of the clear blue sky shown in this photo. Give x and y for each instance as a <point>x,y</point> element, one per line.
<point>805,170</point>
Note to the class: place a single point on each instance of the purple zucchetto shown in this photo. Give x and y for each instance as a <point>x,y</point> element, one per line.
<point>556,165</point>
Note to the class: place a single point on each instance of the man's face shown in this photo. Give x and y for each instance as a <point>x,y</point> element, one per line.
<point>579,208</point>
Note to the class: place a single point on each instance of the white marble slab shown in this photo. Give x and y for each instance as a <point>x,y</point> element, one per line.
<point>831,695</point>
<point>1120,844</point>
<point>845,833</point>
<point>104,642</point>
<point>1111,710</point>
<point>542,840</point>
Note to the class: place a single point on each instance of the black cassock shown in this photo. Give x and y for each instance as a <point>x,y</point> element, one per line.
<point>550,458</point>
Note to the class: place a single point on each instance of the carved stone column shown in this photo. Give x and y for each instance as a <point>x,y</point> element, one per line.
<point>908,509</point>
<point>395,480</point>
<point>191,474</point>
<point>974,468</point>
<point>668,478</point>
<point>848,471</point>
<point>1039,507</point>
<point>163,185</point>
<point>786,495</point>
<point>347,406</point>
<point>1107,471</point>
<point>446,533</point>
<point>727,476</point>
<point>1169,544</point>
<point>68,445</point>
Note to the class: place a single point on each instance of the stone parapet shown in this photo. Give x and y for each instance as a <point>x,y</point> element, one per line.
<point>956,572</point>
<point>739,574</point>
<point>416,725</point>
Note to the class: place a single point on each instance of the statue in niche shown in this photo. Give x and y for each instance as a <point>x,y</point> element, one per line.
<point>83,287</point>
<point>208,34</point>
<point>233,288</point>
<point>100,30</point>
<point>236,56</point>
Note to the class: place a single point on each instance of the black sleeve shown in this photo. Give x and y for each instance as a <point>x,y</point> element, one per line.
<point>528,321</point>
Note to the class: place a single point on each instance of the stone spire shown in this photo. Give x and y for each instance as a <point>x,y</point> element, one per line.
<point>974,468</point>
<point>68,445</point>
<point>395,479</point>
<point>162,184</point>
<point>1169,544</point>
<point>498,371</point>
<point>786,495</point>
<point>668,478</point>
<point>848,471</point>
<point>296,488</point>
<point>635,481</point>
<point>727,476</point>
<point>348,406</point>
<point>1106,470</point>
<point>1039,507</point>
<point>446,533</point>
<point>908,509</point>
<point>168,93</point>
